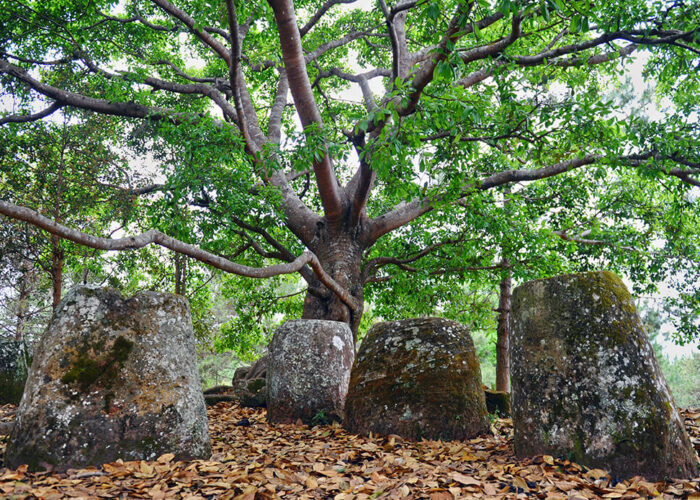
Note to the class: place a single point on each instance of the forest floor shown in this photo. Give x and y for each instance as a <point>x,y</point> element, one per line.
<point>254,460</point>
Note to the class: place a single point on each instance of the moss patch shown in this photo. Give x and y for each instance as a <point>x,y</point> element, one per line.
<point>86,370</point>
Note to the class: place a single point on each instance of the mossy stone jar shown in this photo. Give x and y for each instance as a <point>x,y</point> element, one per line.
<point>585,383</point>
<point>112,378</point>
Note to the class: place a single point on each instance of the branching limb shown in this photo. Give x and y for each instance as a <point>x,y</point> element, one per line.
<point>406,212</point>
<point>156,237</point>
<point>316,17</point>
<point>274,127</point>
<point>436,272</point>
<point>33,117</point>
<point>373,265</point>
<point>362,79</point>
<point>247,124</point>
<point>396,45</point>
<point>147,189</point>
<point>690,175</point>
<point>195,29</point>
<point>305,103</point>
<point>135,18</point>
<point>636,37</point>
<point>67,98</point>
<point>484,23</point>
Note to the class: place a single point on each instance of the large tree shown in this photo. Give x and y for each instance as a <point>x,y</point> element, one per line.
<point>460,99</point>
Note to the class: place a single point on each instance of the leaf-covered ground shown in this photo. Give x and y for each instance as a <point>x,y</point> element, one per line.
<point>255,460</point>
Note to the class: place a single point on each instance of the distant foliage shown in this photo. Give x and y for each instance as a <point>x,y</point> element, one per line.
<point>682,374</point>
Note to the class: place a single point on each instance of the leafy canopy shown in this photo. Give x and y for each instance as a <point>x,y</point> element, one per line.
<point>451,136</point>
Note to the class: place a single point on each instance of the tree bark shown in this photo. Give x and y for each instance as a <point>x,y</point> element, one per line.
<point>503,329</point>
<point>57,261</point>
<point>26,286</point>
<point>180,274</point>
<point>339,248</point>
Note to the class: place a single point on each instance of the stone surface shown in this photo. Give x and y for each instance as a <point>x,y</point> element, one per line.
<point>417,378</point>
<point>13,371</point>
<point>112,378</point>
<point>250,385</point>
<point>308,371</point>
<point>498,402</point>
<point>585,384</point>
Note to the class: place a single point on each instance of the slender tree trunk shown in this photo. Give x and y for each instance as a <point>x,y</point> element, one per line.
<point>503,329</point>
<point>26,286</point>
<point>22,309</point>
<point>57,262</point>
<point>57,254</point>
<point>180,274</point>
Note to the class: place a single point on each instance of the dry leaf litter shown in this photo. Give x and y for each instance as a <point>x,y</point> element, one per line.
<point>254,460</point>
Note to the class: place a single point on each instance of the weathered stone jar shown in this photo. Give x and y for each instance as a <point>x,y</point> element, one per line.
<point>585,382</point>
<point>417,378</point>
<point>308,370</point>
<point>112,378</point>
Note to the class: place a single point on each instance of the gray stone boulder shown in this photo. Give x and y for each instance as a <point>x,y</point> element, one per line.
<point>250,385</point>
<point>13,370</point>
<point>112,378</point>
<point>417,378</point>
<point>585,384</point>
<point>308,371</point>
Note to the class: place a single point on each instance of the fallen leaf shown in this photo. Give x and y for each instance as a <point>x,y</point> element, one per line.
<point>465,480</point>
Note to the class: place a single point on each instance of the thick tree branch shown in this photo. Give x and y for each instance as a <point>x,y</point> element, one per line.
<point>378,262</point>
<point>135,18</point>
<point>195,29</point>
<point>406,212</point>
<point>33,117</point>
<point>393,38</point>
<point>690,175</point>
<point>307,109</point>
<point>484,23</point>
<point>140,191</point>
<point>274,127</point>
<point>636,37</point>
<point>156,237</point>
<point>237,83</point>
<point>127,109</point>
<point>315,18</point>
<point>436,272</point>
<point>195,88</point>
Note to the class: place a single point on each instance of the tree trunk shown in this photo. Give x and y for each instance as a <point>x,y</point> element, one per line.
<point>503,330</point>
<point>180,274</point>
<point>26,287</point>
<point>57,260</point>
<point>340,251</point>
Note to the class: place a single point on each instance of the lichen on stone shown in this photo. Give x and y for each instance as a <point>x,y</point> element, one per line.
<point>112,378</point>
<point>307,372</point>
<point>587,386</point>
<point>87,369</point>
<point>417,378</point>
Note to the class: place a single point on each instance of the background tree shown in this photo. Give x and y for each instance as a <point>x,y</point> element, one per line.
<point>460,99</point>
